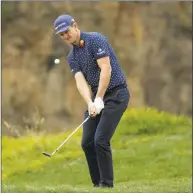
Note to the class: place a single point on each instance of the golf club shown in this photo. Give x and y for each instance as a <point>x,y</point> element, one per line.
<point>50,155</point>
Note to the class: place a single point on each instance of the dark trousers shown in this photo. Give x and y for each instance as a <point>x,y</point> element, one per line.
<point>97,133</point>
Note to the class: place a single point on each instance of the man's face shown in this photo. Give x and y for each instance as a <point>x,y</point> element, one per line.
<point>70,35</point>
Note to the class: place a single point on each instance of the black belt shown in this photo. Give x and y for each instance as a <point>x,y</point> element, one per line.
<point>116,88</point>
<point>124,85</point>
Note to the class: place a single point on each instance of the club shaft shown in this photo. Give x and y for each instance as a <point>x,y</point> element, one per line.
<point>71,135</point>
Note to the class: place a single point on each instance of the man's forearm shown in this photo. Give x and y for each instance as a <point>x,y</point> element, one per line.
<point>84,91</point>
<point>105,77</point>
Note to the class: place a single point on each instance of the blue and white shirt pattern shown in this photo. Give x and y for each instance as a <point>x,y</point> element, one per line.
<point>84,59</point>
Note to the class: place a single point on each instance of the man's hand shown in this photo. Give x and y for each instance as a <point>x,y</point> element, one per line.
<point>99,105</point>
<point>92,109</point>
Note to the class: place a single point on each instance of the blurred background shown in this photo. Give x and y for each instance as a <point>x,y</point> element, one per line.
<point>153,42</point>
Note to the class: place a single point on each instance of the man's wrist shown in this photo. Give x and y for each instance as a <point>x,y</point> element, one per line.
<point>99,96</point>
<point>98,99</point>
<point>89,101</point>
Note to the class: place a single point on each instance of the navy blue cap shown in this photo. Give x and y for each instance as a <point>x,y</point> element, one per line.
<point>62,23</point>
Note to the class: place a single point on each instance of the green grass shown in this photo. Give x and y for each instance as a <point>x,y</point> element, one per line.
<point>152,152</point>
<point>149,186</point>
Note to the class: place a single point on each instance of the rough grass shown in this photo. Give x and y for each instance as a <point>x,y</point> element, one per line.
<point>152,153</point>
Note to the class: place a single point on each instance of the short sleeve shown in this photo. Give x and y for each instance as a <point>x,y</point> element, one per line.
<point>100,46</point>
<point>74,66</point>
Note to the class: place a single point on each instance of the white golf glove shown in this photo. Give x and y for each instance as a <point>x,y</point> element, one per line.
<point>99,104</point>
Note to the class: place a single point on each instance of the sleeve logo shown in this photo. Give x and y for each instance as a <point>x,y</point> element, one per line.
<point>100,51</point>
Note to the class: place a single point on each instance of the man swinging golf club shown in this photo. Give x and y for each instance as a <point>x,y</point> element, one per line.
<point>93,63</point>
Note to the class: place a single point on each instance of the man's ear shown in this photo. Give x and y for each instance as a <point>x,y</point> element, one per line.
<point>75,25</point>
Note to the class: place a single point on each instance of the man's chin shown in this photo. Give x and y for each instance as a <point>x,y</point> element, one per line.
<point>71,43</point>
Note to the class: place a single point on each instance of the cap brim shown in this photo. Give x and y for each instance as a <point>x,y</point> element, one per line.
<point>62,30</point>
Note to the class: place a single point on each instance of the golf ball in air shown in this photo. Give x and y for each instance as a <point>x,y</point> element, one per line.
<point>56,61</point>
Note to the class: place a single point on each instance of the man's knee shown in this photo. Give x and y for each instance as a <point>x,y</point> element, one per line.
<point>102,142</point>
<point>86,145</point>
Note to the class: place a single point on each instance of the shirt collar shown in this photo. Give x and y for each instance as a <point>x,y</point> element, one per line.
<point>82,37</point>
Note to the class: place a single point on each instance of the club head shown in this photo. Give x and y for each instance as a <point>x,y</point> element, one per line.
<point>46,154</point>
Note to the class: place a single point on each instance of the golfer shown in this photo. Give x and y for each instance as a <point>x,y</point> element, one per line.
<point>101,83</point>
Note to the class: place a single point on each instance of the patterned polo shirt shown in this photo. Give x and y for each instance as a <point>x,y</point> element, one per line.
<point>84,59</point>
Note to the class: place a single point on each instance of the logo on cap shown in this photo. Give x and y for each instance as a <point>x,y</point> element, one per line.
<point>60,25</point>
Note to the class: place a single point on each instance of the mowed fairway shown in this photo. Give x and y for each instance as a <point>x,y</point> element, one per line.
<point>152,152</point>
